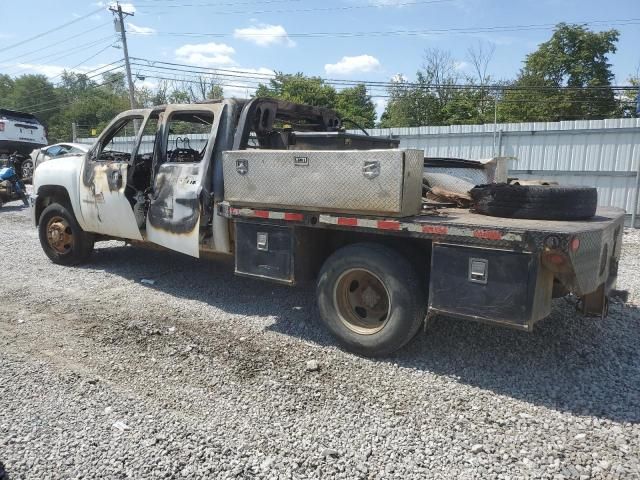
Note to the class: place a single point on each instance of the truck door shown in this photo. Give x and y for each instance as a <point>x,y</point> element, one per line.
<point>181,201</point>
<point>104,206</point>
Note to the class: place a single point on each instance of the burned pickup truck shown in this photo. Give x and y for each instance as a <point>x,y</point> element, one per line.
<point>293,197</point>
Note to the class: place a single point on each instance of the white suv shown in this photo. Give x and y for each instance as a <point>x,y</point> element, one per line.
<point>22,133</point>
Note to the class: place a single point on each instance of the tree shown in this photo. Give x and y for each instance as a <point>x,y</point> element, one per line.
<point>437,97</point>
<point>353,103</point>
<point>34,93</point>
<point>6,88</point>
<point>574,57</point>
<point>300,89</point>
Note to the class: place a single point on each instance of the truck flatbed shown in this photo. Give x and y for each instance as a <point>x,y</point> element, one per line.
<point>452,224</point>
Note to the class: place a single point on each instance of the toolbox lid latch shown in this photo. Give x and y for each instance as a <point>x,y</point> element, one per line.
<point>478,270</point>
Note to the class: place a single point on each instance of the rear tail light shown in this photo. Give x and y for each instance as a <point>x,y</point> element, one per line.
<point>575,244</point>
<point>1,126</point>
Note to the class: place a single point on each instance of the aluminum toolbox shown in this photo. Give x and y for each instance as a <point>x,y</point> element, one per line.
<point>374,182</point>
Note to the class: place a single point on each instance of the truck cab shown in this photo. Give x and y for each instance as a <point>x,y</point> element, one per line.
<point>167,193</point>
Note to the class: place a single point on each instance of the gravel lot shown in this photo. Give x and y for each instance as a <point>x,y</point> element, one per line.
<point>203,375</point>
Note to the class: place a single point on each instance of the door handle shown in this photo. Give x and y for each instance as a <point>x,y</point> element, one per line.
<point>116,180</point>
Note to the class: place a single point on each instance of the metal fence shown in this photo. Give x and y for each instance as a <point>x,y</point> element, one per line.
<point>600,153</point>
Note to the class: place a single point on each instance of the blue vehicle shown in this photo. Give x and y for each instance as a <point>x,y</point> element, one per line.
<point>11,186</point>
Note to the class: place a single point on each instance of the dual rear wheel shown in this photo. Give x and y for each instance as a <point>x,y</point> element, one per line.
<point>371,298</point>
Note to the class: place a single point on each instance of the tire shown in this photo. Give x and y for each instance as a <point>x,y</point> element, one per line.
<point>539,202</point>
<point>26,170</point>
<point>391,284</point>
<point>61,238</point>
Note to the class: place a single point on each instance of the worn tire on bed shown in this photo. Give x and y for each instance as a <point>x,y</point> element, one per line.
<point>540,202</point>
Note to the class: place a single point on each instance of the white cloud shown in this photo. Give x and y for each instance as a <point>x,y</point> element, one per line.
<point>348,65</point>
<point>206,54</point>
<point>264,35</point>
<point>460,65</point>
<point>140,30</point>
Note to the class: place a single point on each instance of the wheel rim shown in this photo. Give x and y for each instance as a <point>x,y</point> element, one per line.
<point>59,235</point>
<point>362,301</point>
<point>27,170</point>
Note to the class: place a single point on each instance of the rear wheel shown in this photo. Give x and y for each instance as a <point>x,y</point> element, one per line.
<point>371,299</point>
<point>61,238</point>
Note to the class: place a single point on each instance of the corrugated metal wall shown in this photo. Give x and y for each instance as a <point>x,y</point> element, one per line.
<point>600,153</point>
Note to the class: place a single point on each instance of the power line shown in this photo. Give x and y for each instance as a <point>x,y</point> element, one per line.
<point>383,33</point>
<point>39,90</point>
<point>537,100</point>
<point>69,104</point>
<point>54,100</point>
<point>55,29</point>
<point>249,75</point>
<point>306,10</point>
<point>62,54</point>
<point>38,50</point>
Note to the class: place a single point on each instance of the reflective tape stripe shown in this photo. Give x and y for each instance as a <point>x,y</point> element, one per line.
<point>294,217</point>
<point>388,225</point>
<point>487,234</point>
<point>435,229</point>
<point>394,225</point>
<point>347,222</point>
<point>261,213</point>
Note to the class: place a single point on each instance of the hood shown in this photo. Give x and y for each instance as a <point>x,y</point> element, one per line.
<point>49,172</point>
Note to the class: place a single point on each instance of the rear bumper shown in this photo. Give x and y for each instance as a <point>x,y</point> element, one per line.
<point>514,287</point>
<point>595,262</point>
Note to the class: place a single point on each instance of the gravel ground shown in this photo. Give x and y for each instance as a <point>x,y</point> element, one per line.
<point>204,375</point>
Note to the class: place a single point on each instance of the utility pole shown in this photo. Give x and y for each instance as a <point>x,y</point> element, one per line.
<point>120,18</point>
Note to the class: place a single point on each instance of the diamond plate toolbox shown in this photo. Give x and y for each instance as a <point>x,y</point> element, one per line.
<point>374,182</point>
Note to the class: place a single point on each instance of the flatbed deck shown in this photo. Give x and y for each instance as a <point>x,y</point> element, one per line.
<point>448,224</point>
<point>464,217</point>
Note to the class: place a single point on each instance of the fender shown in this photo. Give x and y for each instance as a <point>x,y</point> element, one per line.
<point>64,172</point>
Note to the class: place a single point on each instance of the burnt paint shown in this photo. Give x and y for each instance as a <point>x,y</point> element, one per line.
<point>165,191</point>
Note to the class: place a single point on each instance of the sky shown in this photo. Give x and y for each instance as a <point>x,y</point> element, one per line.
<point>263,36</point>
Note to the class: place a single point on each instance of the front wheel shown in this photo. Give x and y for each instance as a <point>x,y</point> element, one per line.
<point>371,298</point>
<point>61,238</point>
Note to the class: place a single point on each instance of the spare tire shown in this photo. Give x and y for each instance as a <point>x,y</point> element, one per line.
<point>539,202</point>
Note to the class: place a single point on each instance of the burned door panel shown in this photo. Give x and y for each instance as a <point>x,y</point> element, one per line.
<point>104,206</point>
<point>173,219</point>
<point>182,182</point>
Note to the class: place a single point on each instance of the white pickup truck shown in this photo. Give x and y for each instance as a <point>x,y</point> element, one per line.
<point>293,197</point>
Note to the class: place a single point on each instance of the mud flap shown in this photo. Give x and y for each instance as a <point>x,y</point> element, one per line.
<point>173,220</point>
<point>595,304</point>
